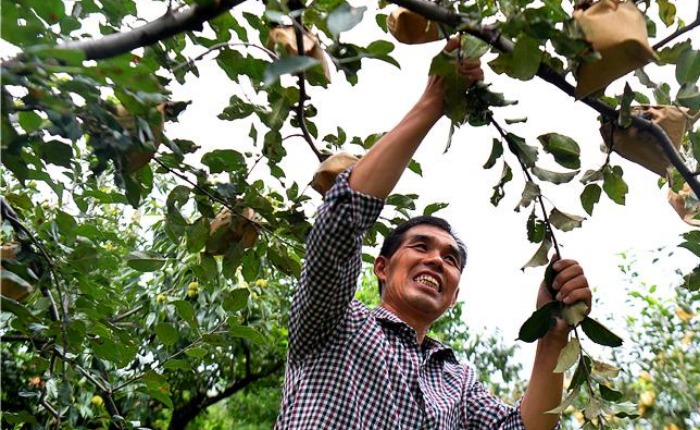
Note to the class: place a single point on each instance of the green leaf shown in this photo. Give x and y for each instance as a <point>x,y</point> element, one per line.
<point>196,352</point>
<point>166,333</point>
<point>589,197</point>
<point>527,153</point>
<point>530,193</point>
<point>526,58</point>
<point>568,356</point>
<point>540,258</point>
<point>564,221</point>
<point>536,229</point>
<point>667,12</point>
<point>236,300</point>
<point>175,364</point>
<point>224,160</point>
<point>689,96</point>
<point>609,394</point>
<point>691,281</point>
<point>57,153</point>
<point>287,64</point>
<point>554,177</point>
<point>496,152</point>
<point>144,261</point>
<point>30,121</point>
<point>688,67</point>
<point>599,334</point>
<point>245,332</point>
<point>185,311</point>
<point>498,189</point>
<point>163,396</point>
<point>434,207</point>
<point>343,18</point>
<point>592,176</point>
<point>564,149</point>
<point>473,47</point>
<point>574,314</point>
<point>539,322</point>
<point>613,184</point>
<point>197,235</point>
<point>604,370</point>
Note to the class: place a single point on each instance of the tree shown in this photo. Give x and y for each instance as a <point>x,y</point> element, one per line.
<point>660,366</point>
<point>149,278</point>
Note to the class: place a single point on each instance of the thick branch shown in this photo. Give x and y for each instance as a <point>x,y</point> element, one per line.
<point>168,25</point>
<point>183,415</point>
<point>491,35</point>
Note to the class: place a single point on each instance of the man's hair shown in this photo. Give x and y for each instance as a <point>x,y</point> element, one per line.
<point>395,238</point>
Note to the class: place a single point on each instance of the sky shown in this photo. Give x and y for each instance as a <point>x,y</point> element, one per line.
<point>497,295</point>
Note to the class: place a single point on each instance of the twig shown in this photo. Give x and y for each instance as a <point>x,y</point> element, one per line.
<point>127,314</point>
<point>222,45</point>
<point>492,36</point>
<point>679,32</point>
<point>513,148</point>
<point>301,77</point>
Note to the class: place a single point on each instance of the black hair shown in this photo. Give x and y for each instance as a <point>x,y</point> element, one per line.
<point>395,238</point>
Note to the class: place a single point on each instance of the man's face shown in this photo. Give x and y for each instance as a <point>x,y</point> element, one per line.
<point>420,280</point>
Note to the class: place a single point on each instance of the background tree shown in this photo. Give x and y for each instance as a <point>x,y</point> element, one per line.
<point>144,278</point>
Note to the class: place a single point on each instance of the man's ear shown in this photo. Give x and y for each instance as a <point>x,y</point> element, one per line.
<point>380,264</point>
<point>454,298</point>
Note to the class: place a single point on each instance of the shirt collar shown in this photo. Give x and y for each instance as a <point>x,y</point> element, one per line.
<point>430,346</point>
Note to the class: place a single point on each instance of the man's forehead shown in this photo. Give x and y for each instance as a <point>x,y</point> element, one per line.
<point>427,231</point>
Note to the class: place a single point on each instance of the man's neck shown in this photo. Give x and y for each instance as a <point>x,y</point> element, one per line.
<point>420,327</point>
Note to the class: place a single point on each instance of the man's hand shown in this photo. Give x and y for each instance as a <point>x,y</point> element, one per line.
<point>570,286</point>
<point>469,69</point>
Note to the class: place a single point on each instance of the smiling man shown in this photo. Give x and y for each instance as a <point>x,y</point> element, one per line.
<point>354,368</point>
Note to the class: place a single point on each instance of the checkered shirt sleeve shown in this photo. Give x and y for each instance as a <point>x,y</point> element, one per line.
<point>332,267</point>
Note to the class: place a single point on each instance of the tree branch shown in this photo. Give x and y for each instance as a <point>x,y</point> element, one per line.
<point>170,24</point>
<point>222,45</point>
<point>492,36</point>
<point>301,115</point>
<point>679,32</point>
<point>183,415</point>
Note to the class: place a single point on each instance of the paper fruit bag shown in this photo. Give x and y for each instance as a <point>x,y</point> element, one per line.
<point>617,31</point>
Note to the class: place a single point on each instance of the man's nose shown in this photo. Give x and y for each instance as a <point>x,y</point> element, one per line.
<point>434,259</point>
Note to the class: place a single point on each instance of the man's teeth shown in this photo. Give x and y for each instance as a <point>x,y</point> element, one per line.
<point>429,281</point>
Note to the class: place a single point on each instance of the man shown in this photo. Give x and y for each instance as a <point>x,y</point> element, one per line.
<point>354,368</point>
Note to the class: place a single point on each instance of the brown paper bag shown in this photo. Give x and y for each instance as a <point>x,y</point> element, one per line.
<point>228,228</point>
<point>617,31</point>
<point>325,175</point>
<point>641,147</point>
<point>286,36</point>
<point>686,204</point>
<point>410,28</point>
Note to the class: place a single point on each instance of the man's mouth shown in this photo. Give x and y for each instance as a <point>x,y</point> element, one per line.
<point>428,281</point>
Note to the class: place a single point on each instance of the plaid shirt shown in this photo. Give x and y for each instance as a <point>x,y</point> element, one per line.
<point>354,368</point>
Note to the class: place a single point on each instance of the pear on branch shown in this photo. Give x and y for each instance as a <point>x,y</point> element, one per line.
<point>12,285</point>
<point>329,169</point>
<point>285,35</point>
<point>228,229</point>
<point>411,28</point>
<point>641,147</point>
<point>618,32</point>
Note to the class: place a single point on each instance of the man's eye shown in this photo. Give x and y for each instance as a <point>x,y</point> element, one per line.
<point>420,246</point>
<point>452,259</point>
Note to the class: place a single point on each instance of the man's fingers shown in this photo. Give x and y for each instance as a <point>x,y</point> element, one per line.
<point>451,45</point>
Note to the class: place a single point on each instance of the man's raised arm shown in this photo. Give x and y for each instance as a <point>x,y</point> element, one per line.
<point>334,246</point>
